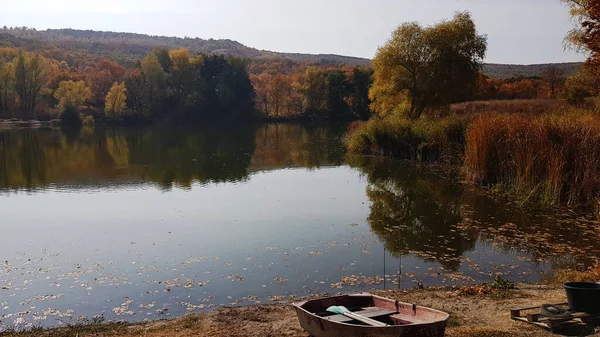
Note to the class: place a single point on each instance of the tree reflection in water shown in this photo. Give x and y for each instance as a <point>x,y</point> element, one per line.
<point>414,211</point>
<point>166,156</point>
<point>429,214</point>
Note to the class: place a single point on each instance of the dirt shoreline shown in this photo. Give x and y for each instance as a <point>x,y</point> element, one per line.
<point>474,313</point>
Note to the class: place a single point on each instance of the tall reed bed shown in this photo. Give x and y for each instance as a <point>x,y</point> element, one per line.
<point>555,158</point>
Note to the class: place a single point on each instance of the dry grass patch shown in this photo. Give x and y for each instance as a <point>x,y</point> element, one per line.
<point>567,275</point>
<point>536,106</point>
<point>474,315</point>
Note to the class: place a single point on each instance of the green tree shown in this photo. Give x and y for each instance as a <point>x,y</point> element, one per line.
<point>137,90</point>
<point>115,102</point>
<point>164,58</point>
<point>184,73</point>
<point>358,101</point>
<point>225,91</point>
<point>154,75</point>
<point>425,67</point>
<point>337,90</point>
<point>315,92</point>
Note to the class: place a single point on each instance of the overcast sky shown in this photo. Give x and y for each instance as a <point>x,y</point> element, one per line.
<point>519,31</point>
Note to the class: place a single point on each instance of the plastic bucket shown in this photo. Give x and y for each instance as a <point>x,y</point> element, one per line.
<point>583,297</point>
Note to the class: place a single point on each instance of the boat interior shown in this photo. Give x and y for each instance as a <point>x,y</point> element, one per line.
<point>379,309</point>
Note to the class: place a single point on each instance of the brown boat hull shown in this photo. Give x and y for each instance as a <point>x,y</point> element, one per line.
<point>427,323</point>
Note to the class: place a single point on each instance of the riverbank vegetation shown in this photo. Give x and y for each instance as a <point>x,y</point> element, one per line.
<point>415,76</point>
<point>549,157</point>
<point>426,139</point>
<point>535,136</point>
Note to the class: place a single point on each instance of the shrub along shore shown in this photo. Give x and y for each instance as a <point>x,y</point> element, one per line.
<point>552,158</point>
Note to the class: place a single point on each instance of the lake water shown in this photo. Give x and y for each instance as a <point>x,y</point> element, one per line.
<point>153,223</point>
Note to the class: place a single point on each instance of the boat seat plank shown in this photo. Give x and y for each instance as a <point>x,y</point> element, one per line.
<point>406,319</point>
<point>370,313</point>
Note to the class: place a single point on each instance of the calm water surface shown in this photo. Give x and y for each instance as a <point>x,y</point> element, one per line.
<point>145,224</point>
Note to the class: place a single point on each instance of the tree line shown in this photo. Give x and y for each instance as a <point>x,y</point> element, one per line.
<point>550,84</point>
<point>311,92</point>
<point>165,84</point>
<point>419,69</point>
<point>176,85</point>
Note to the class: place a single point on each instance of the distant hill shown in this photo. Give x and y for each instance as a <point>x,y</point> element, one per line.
<point>128,48</point>
<point>502,71</point>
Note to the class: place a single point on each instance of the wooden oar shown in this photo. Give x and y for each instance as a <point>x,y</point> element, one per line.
<point>344,311</point>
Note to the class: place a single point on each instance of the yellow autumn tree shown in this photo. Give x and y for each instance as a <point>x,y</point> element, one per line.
<point>115,102</point>
<point>71,94</point>
<point>180,59</point>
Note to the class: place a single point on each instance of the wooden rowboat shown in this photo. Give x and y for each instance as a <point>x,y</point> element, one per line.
<point>403,319</point>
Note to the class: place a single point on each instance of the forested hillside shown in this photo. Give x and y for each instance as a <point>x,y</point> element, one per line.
<point>128,48</point>
<point>503,71</point>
